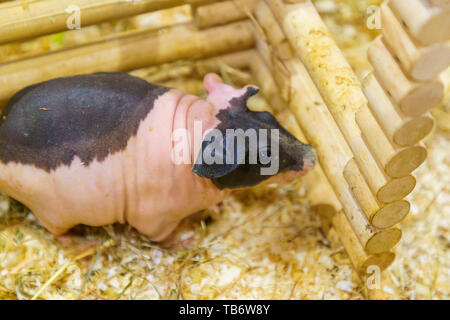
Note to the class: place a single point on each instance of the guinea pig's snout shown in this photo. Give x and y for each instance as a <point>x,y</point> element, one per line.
<point>309,157</point>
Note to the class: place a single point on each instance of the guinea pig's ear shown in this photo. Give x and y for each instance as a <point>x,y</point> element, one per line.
<point>218,157</point>
<point>239,104</point>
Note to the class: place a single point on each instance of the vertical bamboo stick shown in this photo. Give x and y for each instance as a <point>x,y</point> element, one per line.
<point>265,81</point>
<point>421,63</point>
<point>273,31</point>
<point>320,194</point>
<point>413,98</point>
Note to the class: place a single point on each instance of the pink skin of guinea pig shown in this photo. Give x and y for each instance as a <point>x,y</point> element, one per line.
<point>139,184</point>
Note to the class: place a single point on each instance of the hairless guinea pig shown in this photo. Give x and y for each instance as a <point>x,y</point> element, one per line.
<point>108,147</point>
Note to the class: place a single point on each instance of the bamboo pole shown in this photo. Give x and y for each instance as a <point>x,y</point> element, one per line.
<point>223,12</point>
<point>197,68</point>
<point>130,51</point>
<point>196,3</point>
<point>311,113</point>
<point>320,194</point>
<point>413,98</point>
<point>428,24</point>
<point>396,162</point>
<point>342,92</point>
<point>40,17</point>
<point>400,129</point>
<point>272,31</point>
<point>421,63</point>
<point>239,60</point>
<point>188,85</point>
<point>264,78</point>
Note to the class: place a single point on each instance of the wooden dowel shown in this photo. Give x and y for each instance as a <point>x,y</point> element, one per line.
<point>18,22</point>
<point>223,12</point>
<point>396,162</point>
<point>342,92</point>
<point>264,78</point>
<point>400,129</point>
<point>359,258</point>
<point>272,31</point>
<point>396,189</point>
<point>238,60</point>
<point>413,98</point>
<point>428,24</point>
<point>196,3</point>
<point>188,85</point>
<point>320,194</point>
<point>196,69</point>
<point>127,52</point>
<point>421,63</point>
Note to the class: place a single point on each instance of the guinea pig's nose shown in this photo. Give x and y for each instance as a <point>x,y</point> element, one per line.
<point>309,157</point>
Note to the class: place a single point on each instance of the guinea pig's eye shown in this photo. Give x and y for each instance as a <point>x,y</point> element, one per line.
<point>264,155</point>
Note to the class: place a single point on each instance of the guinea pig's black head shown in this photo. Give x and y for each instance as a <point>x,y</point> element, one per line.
<point>249,147</point>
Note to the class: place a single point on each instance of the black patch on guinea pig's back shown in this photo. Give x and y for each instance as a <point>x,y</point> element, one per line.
<point>89,116</point>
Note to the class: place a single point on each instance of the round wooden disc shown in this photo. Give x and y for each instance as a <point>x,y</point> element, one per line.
<point>396,189</point>
<point>406,161</point>
<point>383,241</point>
<point>382,260</point>
<point>391,214</point>
<point>435,60</point>
<point>436,30</point>
<point>413,131</point>
<point>422,98</point>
